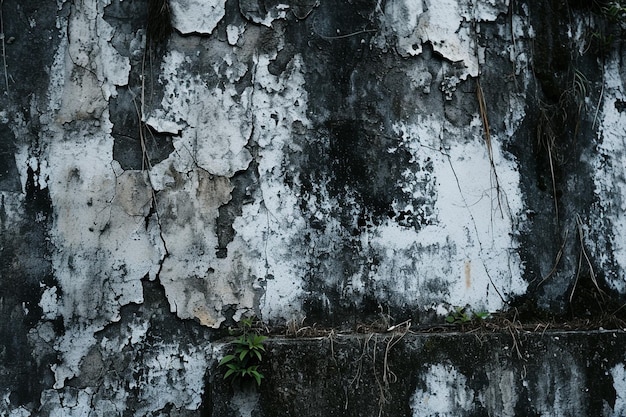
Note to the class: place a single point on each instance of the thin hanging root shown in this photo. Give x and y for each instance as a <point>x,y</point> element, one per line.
<point>556,204</point>
<point>544,130</point>
<point>583,253</point>
<point>388,375</point>
<point>5,68</point>
<point>556,260</point>
<point>482,107</point>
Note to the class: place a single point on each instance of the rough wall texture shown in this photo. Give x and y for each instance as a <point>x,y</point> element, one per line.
<point>167,168</point>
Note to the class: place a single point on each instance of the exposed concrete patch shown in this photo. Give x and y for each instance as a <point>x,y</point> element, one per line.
<point>445,393</point>
<point>501,395</point>
<point>193,275</point>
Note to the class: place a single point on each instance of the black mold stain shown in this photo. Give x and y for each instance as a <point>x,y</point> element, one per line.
<point>159,25</point>
<point>352,156</point>
<point>551,146</point>
<point>358,161</point>
<point>353,149</point>
<point>9,175</point>
<point>30,52</point>
<point>128,149</point>
<point>25,269</point>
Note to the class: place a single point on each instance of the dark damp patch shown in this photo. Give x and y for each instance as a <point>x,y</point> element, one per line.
<point>9,175</point>
<point>128,148</point>
<point>244,184</point>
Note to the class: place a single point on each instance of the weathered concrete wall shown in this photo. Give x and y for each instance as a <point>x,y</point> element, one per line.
<point>163,175</point>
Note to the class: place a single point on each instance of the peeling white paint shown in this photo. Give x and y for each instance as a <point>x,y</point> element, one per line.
<point>444,24</point>
<point>610,180</point>
<point>92,68</point>
<point>102,246</point>
<point>618,372</point>
<point>469,250</point>
<point>213,122</point>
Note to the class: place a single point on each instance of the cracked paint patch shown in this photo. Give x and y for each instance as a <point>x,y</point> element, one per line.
<point>93,68</point>
<point>213,131</point>
<point>212,124</point>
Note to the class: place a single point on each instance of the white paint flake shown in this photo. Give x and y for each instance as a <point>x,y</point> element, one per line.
<point>197,16</point>
<point>444,24</point>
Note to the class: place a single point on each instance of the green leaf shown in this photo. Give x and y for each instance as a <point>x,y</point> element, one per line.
<point>243,354</point>
<point>258,376</point>
<point>450,319</point>
<point>258,340</point>
<point>229,373</point>
<point>241,341</point>
<point>258,354</point>
<point>226,359</point>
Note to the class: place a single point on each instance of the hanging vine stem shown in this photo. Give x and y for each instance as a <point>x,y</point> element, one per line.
<point>583,254</point>
<point>4,52</point>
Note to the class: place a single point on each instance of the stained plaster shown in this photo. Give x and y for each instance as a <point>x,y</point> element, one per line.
<point>428,219</point>
<point>112,227</point>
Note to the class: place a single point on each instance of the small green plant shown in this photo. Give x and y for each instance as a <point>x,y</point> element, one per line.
<point>249,349</point>
<point>615,11</point>
<point>463,315</point>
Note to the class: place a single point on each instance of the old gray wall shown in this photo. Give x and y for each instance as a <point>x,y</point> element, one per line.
<point>323,161</point>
